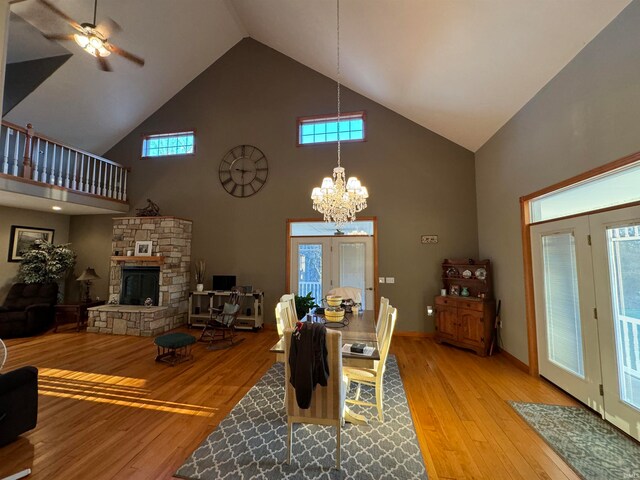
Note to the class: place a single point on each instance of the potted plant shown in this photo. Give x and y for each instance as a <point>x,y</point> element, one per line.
<point>304,304</point>
<point>200,269</point>
<point>46,263</point>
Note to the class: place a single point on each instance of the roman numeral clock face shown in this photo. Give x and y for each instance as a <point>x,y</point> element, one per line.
<point>243,171</point>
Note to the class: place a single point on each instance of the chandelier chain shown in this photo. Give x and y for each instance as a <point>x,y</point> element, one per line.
<point>338,70</point>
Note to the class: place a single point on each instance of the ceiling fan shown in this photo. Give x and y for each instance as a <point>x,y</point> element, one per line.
<point>92,38</point>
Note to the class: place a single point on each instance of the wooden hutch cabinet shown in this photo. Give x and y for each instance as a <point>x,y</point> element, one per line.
<point>465,316</point>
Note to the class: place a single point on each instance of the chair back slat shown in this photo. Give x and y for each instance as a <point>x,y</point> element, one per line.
<point>284,318</point>
<point>382,318</point>
<point>385,344</point>
<point>326,402</point>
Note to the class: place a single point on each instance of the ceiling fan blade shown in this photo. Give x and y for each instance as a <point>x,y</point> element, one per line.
<point>58,36</point>
<point>123,53</point>
<point>108,27</point>
<point>62,15</point>
<point>104,64</point>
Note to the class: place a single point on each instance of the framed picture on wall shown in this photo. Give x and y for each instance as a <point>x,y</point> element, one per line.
<point>22,238</point>
<point>143,248</point>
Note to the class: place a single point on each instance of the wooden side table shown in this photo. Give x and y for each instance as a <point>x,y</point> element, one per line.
<point>74,312</point>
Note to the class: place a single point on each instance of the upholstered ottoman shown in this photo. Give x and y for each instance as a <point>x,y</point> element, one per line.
<point>174,347</point>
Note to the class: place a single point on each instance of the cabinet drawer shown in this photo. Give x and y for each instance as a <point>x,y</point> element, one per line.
<point>445,301</point>
<point>469,305</point>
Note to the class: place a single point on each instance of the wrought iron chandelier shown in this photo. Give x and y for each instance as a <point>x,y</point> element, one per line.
<point>339,200</point>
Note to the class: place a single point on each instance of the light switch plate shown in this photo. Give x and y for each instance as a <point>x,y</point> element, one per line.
<point>391,280</point>
<point>429,239</point>
<point>381,280</point>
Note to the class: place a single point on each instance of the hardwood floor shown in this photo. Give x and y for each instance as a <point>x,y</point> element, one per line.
<point>107,410</point>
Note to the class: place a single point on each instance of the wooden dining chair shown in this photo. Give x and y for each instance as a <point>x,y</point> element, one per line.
<point>373,376</point>
<point>291,298</point>
<point>284,317</point>
<point>327,403</point>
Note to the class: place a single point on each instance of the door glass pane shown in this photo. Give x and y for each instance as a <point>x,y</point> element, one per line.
<point>564,333</point>
<point>310,270</point>
<point>624,265</point>
<point>352,267</point>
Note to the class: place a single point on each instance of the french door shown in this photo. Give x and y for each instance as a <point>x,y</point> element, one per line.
<point>587,285</point>
<point>319,264</point>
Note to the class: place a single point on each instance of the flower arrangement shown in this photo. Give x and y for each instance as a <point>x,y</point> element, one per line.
<point>200,269</point>
<point>46,263</point>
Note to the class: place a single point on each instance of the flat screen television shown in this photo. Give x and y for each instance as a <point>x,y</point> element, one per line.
<point>223,282</point>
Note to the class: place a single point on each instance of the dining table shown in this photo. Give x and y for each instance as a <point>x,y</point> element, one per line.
<point>357,327</point>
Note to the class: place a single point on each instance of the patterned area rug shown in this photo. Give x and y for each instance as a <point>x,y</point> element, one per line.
<point>591,446</point>
<point>250,443</point>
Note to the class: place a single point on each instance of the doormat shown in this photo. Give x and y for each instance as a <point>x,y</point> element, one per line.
<point>593,448</point>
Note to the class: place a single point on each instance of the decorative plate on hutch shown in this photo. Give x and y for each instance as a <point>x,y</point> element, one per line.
<point>481,274</point>
<point>466,274</point>
<point>452,272</point>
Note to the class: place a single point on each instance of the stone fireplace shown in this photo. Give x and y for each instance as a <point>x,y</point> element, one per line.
<point>164,277</point>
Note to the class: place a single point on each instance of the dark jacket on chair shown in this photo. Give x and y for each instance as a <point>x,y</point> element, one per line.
<point>308,361</point>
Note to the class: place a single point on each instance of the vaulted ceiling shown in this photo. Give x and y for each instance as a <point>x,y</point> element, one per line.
<point>460,68</point>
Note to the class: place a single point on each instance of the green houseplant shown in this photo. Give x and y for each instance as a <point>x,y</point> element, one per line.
<point>46,263</point>
<point>304,304</point>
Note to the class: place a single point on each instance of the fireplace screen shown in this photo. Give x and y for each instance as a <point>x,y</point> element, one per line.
<point>138,284</point>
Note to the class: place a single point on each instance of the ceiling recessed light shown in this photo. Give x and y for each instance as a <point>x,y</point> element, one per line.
<point>56,208</point>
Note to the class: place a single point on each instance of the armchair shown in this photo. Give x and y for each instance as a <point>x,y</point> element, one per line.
<point>18,403</point>
<point>28,309</point>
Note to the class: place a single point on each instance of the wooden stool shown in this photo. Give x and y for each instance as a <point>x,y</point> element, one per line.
<point>174,348</point>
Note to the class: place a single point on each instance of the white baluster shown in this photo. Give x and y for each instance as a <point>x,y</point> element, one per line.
<point>5,158</point>
<point>43,176</point>
<point>74,183</point>
<point>66,178</point>
<point>93,175</point>
<point>99,177</point>
<point>112,187</point>
<point>120,169</point>
<point>82,183</point>
<point>35,156</point>
<point>16,153</point>
<point>61,169</point>
<point>52,176</point>
<point>124,187</point>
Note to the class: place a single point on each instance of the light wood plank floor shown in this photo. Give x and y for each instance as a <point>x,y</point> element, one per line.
<point>107,410</point>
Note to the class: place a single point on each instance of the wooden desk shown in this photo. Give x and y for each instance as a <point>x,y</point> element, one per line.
<point>361,329</point>
<point>74,312</point>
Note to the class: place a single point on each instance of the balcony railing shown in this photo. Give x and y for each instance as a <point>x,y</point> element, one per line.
<point>314,287</point>
<point>35,157</point>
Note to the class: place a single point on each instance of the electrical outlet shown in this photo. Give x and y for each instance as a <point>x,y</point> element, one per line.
<point>381,280</point>
<point>391,280</point>
<point>429,311</point>
<point>429,239</point>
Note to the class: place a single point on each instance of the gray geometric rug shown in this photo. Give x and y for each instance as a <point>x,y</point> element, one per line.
<point>250,443</point>
<point>594,449</point>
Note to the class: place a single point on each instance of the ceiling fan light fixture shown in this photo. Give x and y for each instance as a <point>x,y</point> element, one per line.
<point>103,52</point>
<point>81,39</point>
<point>96,42</point>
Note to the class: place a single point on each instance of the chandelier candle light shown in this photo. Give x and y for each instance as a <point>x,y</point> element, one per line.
<point>339,200</point>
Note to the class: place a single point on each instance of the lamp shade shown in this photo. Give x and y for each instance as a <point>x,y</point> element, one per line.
<point>88,274</point>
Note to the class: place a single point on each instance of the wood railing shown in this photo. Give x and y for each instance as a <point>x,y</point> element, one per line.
<point>33,156</point>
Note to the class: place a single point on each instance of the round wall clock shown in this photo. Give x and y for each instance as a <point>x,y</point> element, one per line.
<point>243,171</point>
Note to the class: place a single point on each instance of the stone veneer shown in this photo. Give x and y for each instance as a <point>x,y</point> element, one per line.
<point>171,239</point>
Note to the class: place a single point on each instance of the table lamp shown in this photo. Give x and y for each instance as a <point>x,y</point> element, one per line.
<point>86,277</point>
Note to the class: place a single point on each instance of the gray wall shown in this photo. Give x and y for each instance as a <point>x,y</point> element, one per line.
<point>419,182</point>
<point>586,116</point>
<point>26,218</point>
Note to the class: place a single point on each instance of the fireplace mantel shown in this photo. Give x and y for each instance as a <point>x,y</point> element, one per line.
<point>131,259</point>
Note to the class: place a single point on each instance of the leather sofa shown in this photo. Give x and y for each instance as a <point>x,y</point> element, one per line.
<point>18,403</point>
<point>28,309</point>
